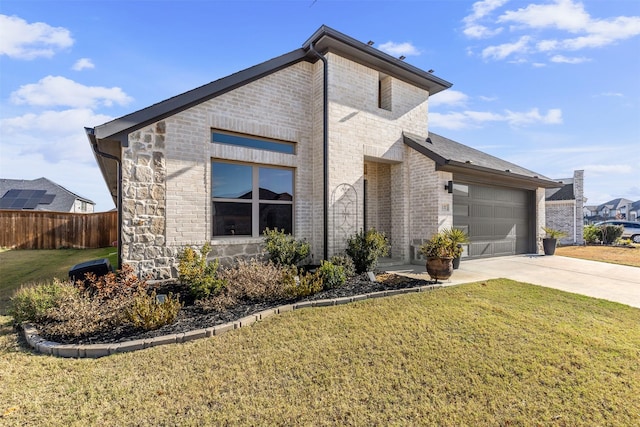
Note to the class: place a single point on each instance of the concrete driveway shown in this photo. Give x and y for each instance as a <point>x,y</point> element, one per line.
<point>612,282</point>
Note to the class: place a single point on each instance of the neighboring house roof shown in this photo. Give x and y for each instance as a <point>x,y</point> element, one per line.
<point>615,204</point>
<point>563,193</point>
<point>39,194</point>
<point>461,159</point>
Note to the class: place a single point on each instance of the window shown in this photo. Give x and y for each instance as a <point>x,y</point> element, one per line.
<point>252,142</point>
<point>248,198</point>
<point>384,92</point>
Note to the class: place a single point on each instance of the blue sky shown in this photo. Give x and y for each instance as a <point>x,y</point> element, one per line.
<point>552,85</point>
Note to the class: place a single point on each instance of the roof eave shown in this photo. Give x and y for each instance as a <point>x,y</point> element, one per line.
<point>471,169</point>
<point>328,39</point>
<point>124,125</point>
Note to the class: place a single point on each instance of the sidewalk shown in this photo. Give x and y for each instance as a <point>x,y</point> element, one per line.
<point>612,282</point>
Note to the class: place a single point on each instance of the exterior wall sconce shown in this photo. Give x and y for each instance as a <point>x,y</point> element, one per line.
<point>449,187</point>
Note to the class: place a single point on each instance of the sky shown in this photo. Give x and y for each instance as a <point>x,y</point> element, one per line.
<point>551,85</point>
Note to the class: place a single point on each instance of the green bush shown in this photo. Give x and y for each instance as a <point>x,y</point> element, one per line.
<point>345,262</point>
<point>610,233</point>
<point>283,249</point>
<point>332,276</point>
<point>147,313</point>
<point>591,234</point>
<point>32,303</point>
<point>200,276</point>
<point>304,285</point>
<point>365,249</point>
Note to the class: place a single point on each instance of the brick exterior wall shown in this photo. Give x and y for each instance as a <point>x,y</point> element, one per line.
<point>167,166</point>
<point>566,215</point>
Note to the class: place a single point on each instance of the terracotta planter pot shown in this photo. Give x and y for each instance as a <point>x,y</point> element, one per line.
<point>440,268</point>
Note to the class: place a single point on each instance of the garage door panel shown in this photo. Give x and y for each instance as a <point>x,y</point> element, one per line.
<point>497,220</point>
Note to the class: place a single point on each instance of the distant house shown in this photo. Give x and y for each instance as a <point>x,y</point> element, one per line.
<point>41,195</point>
<point>564,208</point>
<point>613,209</point>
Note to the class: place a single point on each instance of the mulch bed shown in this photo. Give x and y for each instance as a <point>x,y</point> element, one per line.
<point>192,317</point>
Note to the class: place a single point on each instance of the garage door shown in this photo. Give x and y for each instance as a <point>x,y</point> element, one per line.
<point>495,218</point>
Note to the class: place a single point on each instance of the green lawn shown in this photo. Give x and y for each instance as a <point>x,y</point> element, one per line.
<point>18,267</point>
<point>492,353</point>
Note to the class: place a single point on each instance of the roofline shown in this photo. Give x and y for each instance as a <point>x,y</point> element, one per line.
<point>454,166</point>
<point>385,62</point>
<point>124,125</point>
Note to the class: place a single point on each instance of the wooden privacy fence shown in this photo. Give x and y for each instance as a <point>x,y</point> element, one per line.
<point>55,230</point>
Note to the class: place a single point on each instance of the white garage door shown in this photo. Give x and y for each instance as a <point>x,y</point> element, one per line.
<point>497,219</point>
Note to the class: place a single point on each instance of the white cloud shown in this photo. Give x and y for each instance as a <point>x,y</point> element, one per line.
<point>469,119</point>
<point>567,60</point>
<point>448,97</point>
<point>83,64</point>
<point>571,28</point>
<point>60,91</point>
<point>397,49</point>
<point>55,135</point>
<point>480,10</point>
<point>608,169</point>
<point>562,15</point>
<point>612,94</point>
<point>22,40</point>
<point>506,49</point>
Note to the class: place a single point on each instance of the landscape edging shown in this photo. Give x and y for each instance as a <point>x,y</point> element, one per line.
<point>95,351</point>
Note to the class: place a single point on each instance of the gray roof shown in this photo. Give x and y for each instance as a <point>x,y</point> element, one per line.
<point>461,159</point>
<point>325,39</point>
<point>57,198</point>
<point>615,203</point>
<point>563,193</point>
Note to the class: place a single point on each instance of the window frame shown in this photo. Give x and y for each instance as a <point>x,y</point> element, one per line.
<point>272,145</point>
<point>255,201</point>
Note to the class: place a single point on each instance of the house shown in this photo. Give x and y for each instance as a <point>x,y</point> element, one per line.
<point>619,208</point>
<point>564,208</point>
<point>322,141</point>
<point>41,195</point>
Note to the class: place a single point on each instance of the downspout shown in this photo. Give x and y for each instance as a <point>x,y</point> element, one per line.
<point>325,147</point>
<point>96,150</point>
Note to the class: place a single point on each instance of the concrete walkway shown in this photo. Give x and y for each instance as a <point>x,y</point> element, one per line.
<point>612,282</point>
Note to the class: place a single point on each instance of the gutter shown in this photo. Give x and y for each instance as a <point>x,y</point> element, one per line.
<point>325,148</point>
<point>94,144</point>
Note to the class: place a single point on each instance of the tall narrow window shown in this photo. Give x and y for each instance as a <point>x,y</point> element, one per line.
<point>247,199</point>
<point>384,92</point>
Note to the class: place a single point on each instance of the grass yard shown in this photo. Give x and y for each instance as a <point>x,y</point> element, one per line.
<point>611,254</point>
<point>18,267</point>
<point>492,353</point>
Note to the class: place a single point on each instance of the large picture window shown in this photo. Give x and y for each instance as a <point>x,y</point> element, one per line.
<point>248,198</point>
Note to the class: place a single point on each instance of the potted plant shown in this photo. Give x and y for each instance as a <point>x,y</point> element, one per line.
<point>440,253</point>
<point>549,243</point>
<point>457,238</point>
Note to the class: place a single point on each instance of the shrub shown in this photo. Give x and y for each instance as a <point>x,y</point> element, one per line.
<point>345,262</point>
<point>147,313</point>
<point>332,276</point>
<point>365,249</point>
<point>121,283</point>
<point>200,276</point>
<point>609,233</point>
<point>80,315</point>
<point>254,280</point>
<point>591,234</point>
<point>32,303</point>
<point>304,285</point>
<point>283,249</point>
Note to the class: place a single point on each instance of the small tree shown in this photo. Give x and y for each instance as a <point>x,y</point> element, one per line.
<point>365,249</point>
